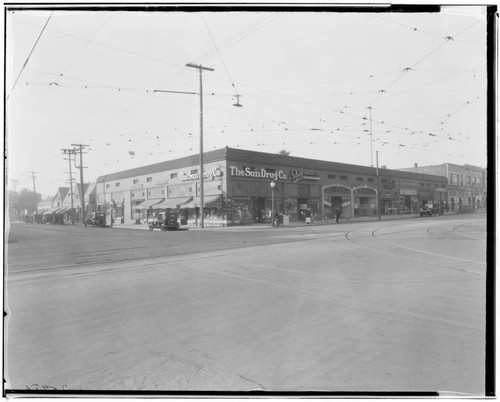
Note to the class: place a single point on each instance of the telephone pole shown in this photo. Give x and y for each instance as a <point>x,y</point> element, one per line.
<point>16,213</point>
<point>14,182</point>
<point>34,190</point>
<point>82,194</point>
<point>70,152</point>
<point>378,190</point>
<point>371,136</point>
<point>200,69</point>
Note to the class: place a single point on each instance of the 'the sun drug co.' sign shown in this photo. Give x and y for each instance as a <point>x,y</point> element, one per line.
<point>257,173</point>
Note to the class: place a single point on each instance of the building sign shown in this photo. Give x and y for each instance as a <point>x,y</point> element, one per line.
<point>408,191</point>
<point>260,173</point>
<point>210,174</point>
<point>298,175</point>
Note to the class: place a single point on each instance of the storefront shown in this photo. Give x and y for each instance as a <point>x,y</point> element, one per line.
<point>237,189</point>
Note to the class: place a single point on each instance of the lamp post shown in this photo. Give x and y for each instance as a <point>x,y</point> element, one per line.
<point>273,185</point>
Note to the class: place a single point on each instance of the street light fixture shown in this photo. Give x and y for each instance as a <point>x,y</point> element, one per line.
<point>273,185</point>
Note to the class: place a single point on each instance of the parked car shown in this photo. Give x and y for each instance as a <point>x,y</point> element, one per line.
<point>96,219</point>
<point>164,221</point>
<point>431,210</point>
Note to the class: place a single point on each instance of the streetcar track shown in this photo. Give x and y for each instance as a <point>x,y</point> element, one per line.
<point>373,235</point>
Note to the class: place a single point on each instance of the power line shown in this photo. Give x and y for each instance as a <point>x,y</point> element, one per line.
<point>29,55</point>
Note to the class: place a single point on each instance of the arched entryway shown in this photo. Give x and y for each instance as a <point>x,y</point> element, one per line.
<point>354,201</point>
<point>336,197</point>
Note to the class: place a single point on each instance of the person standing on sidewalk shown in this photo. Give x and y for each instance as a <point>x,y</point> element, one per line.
<point>338,212</point>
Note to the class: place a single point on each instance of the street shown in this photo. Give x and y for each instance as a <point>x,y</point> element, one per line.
<point>368,306</point>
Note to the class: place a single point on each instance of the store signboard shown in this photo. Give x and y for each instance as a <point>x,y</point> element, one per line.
<point>408,191</point>
<point>210,174</point>
<point>298,175</point>
<point>257,173</point>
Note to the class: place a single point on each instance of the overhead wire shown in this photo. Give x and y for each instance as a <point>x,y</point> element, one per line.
<point>30,53</point>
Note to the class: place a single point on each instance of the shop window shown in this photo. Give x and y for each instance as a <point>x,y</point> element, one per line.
<point>149,179</point>
<point>173,175</point>
<point>332,176</point>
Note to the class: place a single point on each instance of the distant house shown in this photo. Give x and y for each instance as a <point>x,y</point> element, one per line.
<point>90,198</point>
<point>57,201</point>
<point>72,204</point>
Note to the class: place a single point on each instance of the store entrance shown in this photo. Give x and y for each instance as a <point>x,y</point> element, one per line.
<point>259,210</point>
<point>302,206</point>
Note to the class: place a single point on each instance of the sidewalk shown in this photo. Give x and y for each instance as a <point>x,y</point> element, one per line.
<point>257,226</point>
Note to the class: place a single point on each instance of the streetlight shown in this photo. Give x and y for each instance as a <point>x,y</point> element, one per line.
<point>273,184</point>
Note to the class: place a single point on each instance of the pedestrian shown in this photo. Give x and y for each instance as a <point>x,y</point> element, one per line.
<point>338,212</point>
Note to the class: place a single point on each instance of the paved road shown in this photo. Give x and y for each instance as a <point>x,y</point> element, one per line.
<point>374,306</point>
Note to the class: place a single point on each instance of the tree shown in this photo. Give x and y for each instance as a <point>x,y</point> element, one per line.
<point>24,200</point>
<point>284,152</point>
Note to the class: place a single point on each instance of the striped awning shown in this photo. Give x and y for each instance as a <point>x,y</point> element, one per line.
<point>209,201</point>
<point>172,203</point>
<point>148,203</point>
<point>51,210</point>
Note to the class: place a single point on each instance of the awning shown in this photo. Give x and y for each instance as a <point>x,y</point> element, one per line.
<point>172,203</point>
<point>148,203</point>
<point>209,201</point>
<point>51,211</point>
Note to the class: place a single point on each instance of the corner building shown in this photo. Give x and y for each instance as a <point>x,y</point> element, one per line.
<point>237,189</point>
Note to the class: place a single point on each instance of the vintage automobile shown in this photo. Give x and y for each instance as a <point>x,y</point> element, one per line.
<point>431,210</point>
<point>164,221</point>
<point>96,219</point>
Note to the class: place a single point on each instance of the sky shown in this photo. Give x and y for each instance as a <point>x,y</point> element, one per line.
<point>343,87</point>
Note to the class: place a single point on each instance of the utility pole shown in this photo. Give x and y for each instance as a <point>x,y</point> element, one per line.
<point>82,194</point>
<point>371,136</point>
<point>16,214</point>
<point>34,190</point>
<point>200,69</point>
<point>14,182</point>
<point>378,190</point>
<point>70,152</point>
